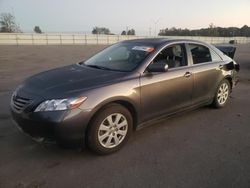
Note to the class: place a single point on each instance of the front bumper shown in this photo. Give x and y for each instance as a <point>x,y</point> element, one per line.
<point>64,127</point>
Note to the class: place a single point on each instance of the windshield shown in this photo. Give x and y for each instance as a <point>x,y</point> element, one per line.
<point>120,57</point>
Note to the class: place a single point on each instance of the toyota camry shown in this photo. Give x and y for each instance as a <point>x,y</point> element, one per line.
<point>99,102</point>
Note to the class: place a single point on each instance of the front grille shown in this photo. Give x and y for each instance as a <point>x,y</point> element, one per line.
<point>19,103</point>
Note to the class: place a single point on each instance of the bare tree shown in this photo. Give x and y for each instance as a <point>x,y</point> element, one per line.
<point>8,23</point>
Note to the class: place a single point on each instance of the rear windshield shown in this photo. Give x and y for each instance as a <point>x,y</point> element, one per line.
<point>120,57</point>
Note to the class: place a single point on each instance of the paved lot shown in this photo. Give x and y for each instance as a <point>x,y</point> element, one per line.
<point>202,148</point>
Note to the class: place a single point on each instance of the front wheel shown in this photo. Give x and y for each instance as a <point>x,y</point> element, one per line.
<point>110,129</point>
<point>222,94</point>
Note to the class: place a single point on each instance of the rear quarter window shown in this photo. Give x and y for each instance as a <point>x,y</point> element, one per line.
<point>215,56</point>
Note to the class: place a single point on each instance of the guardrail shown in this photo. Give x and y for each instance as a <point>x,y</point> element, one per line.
<point>84,39</point>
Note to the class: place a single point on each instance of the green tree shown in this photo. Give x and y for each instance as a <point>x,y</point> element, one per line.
<point>123,33</point>
<point>245,31</point>
<point>131,32</point>
<point>101,30</point>
<point>37,29</point>
<point>212,30</point>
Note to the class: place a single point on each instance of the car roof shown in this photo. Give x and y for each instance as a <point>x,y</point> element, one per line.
<point>158,41</point>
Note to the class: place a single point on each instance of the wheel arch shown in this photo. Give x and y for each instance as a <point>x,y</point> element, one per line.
<point>230,80</point>
<point>123,102</point>
<point>131,109</point>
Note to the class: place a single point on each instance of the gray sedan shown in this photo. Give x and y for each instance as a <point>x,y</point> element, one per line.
<point>100,101</point>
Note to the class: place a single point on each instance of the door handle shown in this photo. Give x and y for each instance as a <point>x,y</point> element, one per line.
<point>187,74</point>
<point>221,66</point>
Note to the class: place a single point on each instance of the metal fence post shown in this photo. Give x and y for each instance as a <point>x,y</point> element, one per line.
<point>32,36</point>
<point>96,38</point>
<point>60,39</point>
<point>85,39</point>
<point>16,40</point>
<point>47,39</point>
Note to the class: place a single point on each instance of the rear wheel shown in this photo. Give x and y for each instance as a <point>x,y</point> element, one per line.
<point>222,94</point>
<point>110,129</point>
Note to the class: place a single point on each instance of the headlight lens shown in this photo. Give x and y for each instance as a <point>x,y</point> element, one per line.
<point>60,104</point>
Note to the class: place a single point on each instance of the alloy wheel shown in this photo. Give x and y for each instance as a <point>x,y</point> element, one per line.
<point>223,93</point>
<point>112,130</point>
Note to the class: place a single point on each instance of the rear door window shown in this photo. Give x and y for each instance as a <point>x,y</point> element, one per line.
<point>200,53</point>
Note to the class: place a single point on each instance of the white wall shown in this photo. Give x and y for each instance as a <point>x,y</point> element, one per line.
<point>64,39</point>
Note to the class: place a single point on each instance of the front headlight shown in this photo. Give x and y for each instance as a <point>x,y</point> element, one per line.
<point>60,104</point>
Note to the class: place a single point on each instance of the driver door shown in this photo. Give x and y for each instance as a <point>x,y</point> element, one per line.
<point>167,92</point>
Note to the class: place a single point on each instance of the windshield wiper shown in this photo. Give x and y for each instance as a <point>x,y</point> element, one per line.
<point>98,67</point>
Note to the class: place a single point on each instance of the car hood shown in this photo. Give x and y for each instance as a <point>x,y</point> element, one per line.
<point>69,79</point>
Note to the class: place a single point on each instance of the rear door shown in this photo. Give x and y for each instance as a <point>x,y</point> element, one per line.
<point>206,71</point>
<point>169,91</point>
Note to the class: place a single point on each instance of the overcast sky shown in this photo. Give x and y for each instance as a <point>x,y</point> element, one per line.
<point>83,15</point>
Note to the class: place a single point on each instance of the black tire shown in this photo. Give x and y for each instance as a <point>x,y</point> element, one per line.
<point>93,133</point>
<point>216,101</point>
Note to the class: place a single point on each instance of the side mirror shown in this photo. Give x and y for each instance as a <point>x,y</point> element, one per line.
<point>157,67</point>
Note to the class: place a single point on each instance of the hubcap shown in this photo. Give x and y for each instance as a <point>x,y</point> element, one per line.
<point>112,130</point>
<point>223,93</point>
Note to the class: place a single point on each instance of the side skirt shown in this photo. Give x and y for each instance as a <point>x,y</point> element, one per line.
<point>166,116</point>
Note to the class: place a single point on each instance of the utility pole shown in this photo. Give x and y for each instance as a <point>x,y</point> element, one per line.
<point>156,22</point>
